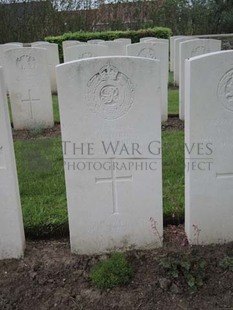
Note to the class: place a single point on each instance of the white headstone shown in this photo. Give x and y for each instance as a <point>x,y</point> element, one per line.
<point>29,88</point>
<point>85,51</point>
<point>34,44</point>
<point>115,48</point>
<point>113,194</point>
<point>157,51</point>
<point>95,41</point>
<point>15,43</point>
<point>209,148</point>
<point>146,38</point>
<point>190,49</point>
<point>177,58</point>
<point>4,48</point>
<point>12,240</point>
<point>52,60</point>
<point>124,40</point>
<point>156,40</point>
<point>172,51</point>
<point>69,43</point>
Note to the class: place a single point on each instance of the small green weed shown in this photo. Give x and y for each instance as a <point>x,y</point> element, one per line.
<point>37,131</point>
<point>227,263</point>
<point>190,269</point>
<point>114,271</point>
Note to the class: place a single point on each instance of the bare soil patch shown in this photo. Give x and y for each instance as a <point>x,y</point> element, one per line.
<point>173,123</point>
<point>49,277</point>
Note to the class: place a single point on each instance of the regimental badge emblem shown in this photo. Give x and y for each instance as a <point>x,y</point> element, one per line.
<point>225,90</point>
<point>199,50</point>
<point>86,55</point>
<point>26,62</point>
<point>110,93</point>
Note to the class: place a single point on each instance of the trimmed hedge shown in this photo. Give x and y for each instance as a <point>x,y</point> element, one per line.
<point>134,35</point>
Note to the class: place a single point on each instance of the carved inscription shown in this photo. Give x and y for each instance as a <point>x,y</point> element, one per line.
<point>147,53</point>
<point>26,62</point>
<point>110,93</point>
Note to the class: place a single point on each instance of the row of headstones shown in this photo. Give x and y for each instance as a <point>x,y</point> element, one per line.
<point>28,71</point>
<point>115,48</point>
<point>182,48</point>
<point>111,132</point>
<point>73,50</point>
<point>30,110</point>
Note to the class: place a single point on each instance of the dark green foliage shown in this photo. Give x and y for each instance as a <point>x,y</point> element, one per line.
<point>227,263</point>
<point>36,131</point>
<point>134,35</point>
<point>114,271</point>
<point>26,21</point>
<point>184,267</point>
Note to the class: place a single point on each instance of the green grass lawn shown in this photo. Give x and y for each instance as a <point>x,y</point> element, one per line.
<point>173,97</point>
<point>173,101</point>
<point>56,109</point>
<point>42,186</point>
<point>173,174</point>
<point>42,190</point>
<point>170,78</point>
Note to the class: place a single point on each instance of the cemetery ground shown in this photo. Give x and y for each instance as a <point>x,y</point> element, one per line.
<point>176,276</point>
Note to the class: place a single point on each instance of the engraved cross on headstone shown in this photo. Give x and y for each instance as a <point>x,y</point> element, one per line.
<point>30,101</point>
<point>227,175</point>
<point>114,179</point>
<point>1,157</point>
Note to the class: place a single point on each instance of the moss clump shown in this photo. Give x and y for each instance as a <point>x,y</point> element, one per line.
<point>114,271</point>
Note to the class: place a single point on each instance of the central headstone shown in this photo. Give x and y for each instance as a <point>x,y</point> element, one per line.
<point>111,131</point>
